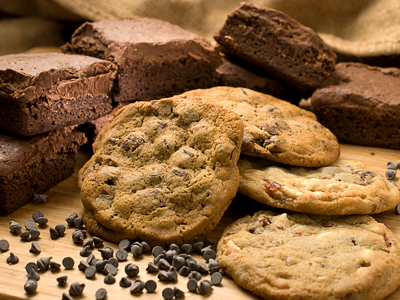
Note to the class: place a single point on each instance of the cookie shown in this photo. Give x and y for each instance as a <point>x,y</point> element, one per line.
<point>300,256</point>
<point>274,42</point>
<point>360,104</point>
<point>343,188</point>
<point>163,171</point>
<point>275,129</point>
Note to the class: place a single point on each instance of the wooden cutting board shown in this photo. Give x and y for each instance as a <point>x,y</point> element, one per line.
<point>64,199</point>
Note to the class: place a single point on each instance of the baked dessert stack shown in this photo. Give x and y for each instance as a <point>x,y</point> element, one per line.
<point>42,98</point>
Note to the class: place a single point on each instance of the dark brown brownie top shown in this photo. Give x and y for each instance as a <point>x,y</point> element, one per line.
<point>18,71</point>
<point>362,84</point>
<point>17,152</point>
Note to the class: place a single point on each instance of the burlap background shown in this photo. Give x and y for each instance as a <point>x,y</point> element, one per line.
<point>360,28</point>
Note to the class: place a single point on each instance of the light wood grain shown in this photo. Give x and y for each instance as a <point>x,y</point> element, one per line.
<point>64,199</point>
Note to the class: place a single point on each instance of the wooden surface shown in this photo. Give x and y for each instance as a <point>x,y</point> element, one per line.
<point>64,199</point>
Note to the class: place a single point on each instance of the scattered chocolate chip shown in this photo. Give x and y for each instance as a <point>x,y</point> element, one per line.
<point>194,275</point>
<point>186,248</point>
<point>89,243</point>
<point>145,247</point>
<point>42,221</point>
<point>25,236</point>
<point>208,242</point>
<point>14,227</point>
<point>213,266</point>
<point>163,276</point>
<point>33,275</point>
<point>78,237</point>
<point>31,265</point>
<point>100,265</point>
<point>157,259</point>
<point>202,268</point>
<point>110,269</point>
<point>136,287</point>
<point>78,223</point>
<point>68,263</point>
<point>204,249</point>
<point>131,270</point>
<point>152,268</point>
<point>216,278</point>
<point>157,250</point>
<point>54,233</point>
<point>98,242</point>
<point>43,263</point>
<point>168,294</point>
<point>12,259</point>
<point>173,274</point>
<point>83,265</point>
<point>107,252</point>
<point>178,293</point>
<point>184,271</point>
<point>62,280</point>
<point>90,258</point>
<point>90,272</point>
<point>76,289</point>
<point>150,286</point>
<point>124,244</point>
<point>37,214</point>
<point>163,264</point>
<point>4,245</point>
<point>113,261</point>
<point>35,248</point>
<point>198,246</point>
<point>209,254</point>
<point>190,258</point>
<point>93,261</point>
<point>39,198</point>
<point>34,234</point>
<point>192,285</point>
<point>30,286</point>
<point>178,262</point>
<point>169,255</point>
<point>54,267</point>
<point>136,251</point>
<point>30,224</point>
<point>65,296</point>
<point>60,228</point>
<point>125,282</point>
<point>204,287</point>
<point>390,174</point>
<point>121,255</point>
<point>391,166</point>
<point>70,219</point>
<point>101,294</point>
<point>86,251</point>
<point>192,266</point>
<point>175,247</point>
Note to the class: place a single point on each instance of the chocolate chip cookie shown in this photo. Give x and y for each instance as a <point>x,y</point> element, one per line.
<point>300,256</point>
<point>343,188</point>
<point>275,129</point>
<point>163,171</point>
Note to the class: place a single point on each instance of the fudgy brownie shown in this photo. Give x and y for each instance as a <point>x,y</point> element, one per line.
<point>361,104</point>
<point>34,165</point>
<point>283,47</point>
<point>47,91</point>
<point>155,58</point>
<point>235,75</point>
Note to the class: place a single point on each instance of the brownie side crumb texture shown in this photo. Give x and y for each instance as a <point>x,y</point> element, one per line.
<point>34,165</point>
<point>278,44</point>
<point>360,105</point>
<point>155,58</point>
<point>47,91</point>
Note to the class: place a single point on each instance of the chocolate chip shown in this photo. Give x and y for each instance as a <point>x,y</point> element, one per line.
<point>163,264</point>
<point>54,267</point>
<point>192,266</point>
<point>208,242</point>
<point>37,214</point>
<point>89,243</point>
<point>33,275</point>
<point>30,286</point>
<point>125,282</point>
<point>204,249</point>
<point>121,255</point>
<point>39,198</point>
<point>390,174</point>
<point>194,275</point>
<point>184,271</point>
<point>101,294</point>
<point>107,252</point>
<point>60,228</point>
<point>12,259</point>
<point>30,224</point>
<point>31,265</point>
<point>110,269</point>
<point>124,244</point>
<point>131,270</point>
<point>98,242</point>
<point>175,247</point>
<point>157,259</point>
<point>391,166</point>
<point>152,268</point>
<point>136,287</point>
<point>78,223</point>
<point>198,246</point>
<point>35,248</point>
<point>157,250</point>
<point>14,227</point>
<point>178,262</point>
<point>150,286</point>
<point>68,263</point>
<point>216,278</point>
<point>163,276</point>
<point>25,236</point>
<point>202,268</point>
<point>4,245</point>
<point>78,237</point>
<point>43,263</point>
<point>100,264</point>
<point>190,258</point>
<point>90,258</point>
<point>70,219</point>
<point>178,293</point>
<point>136,251</point>
<point>62,280</point>
<point>213,266</point>
<point>76,289</point>
<point>65,296</point>
<point>86,251</point>
<point>42,221</point>
<point>54,233</point>
<point>145,247</point>
<point>83,265</point>
<point>186,248</point>
<point>192,285</point>
<point>131,142</point>
<point>90,272</point>
<point>34,234</point>
<point>204,287</point>
<point>168,294</point>
<point>209,254</point>
<point>109,279</point>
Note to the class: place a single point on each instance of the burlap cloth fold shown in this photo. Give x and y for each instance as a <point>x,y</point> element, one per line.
<point>360,28</point>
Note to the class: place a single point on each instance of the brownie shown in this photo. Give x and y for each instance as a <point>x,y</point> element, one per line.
<point>360,104</point>
<point>281,46</point>
<point>155,58</point>
<point>235,74</point>
<point>40,92</point>
<point>35,164</point>
<point>92,128</point>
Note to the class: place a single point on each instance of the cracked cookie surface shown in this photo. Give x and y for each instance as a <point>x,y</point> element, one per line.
<point>275,129</point>
<point>300,256</point>
<point>163,171</point>
<point>343,188</point>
